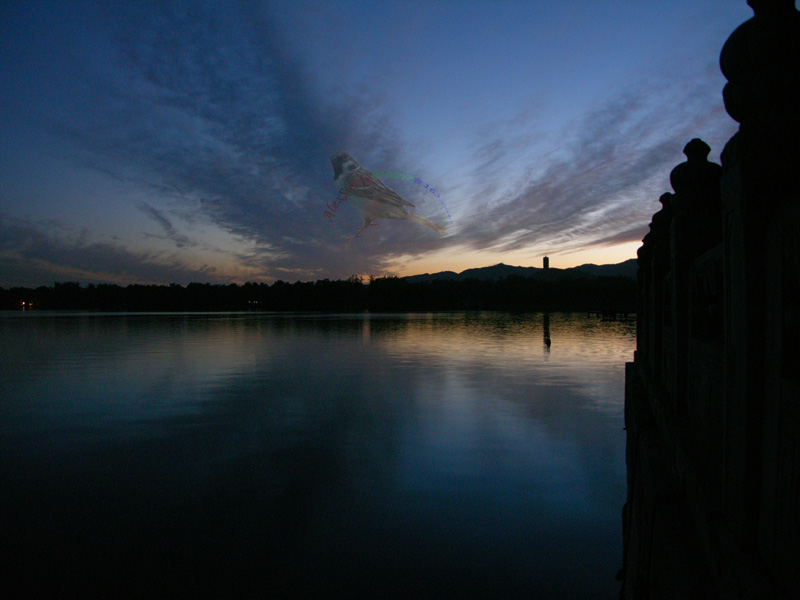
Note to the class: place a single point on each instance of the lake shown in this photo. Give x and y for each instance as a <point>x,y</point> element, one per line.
<point>313,455</point>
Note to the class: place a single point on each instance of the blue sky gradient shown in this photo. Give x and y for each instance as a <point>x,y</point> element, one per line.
<point>178,142</point>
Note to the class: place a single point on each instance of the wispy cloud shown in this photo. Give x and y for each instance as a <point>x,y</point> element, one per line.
<point>180,240</point>
<point>32,253</point>
<point>602,186</point>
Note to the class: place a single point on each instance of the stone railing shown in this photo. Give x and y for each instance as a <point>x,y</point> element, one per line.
<point>713,394</point>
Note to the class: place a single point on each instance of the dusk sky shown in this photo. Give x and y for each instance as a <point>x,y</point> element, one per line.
<point>177,142</point>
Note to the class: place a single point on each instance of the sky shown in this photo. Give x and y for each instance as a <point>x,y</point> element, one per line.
<point>173,142</point>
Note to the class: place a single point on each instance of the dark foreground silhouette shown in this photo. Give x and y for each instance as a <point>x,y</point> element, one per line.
<point>712,403</point>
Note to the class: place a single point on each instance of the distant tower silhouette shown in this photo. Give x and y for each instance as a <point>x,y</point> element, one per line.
<point>546,262</point>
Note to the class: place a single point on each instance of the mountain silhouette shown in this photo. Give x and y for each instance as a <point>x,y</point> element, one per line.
<point>496,272</point>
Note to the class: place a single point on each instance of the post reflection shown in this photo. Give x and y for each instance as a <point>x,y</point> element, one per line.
<point>546,328</point>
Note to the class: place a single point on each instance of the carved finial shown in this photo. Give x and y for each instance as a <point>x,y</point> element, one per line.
<point>660,221</point>
<point>771,7</point>
<point>697,173</point>
<point>761,61</point>
<point>696,150</point>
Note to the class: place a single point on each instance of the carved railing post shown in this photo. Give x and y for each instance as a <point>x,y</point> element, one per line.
<point>761,214</point>
<point>695,228</point>
<point>654,263</point>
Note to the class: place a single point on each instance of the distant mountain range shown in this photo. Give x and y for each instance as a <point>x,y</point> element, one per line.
<point>496,272</point>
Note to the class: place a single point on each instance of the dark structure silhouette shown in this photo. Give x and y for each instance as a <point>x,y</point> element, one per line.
<point>712,405</point>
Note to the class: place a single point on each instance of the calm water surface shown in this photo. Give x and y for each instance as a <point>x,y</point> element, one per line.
<point>260,455</point>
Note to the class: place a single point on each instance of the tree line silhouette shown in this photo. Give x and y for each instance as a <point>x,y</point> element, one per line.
<point>601,293</point>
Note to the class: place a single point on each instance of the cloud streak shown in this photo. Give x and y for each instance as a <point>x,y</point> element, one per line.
<point>180,240</point>
<point>35,253</point>
<point>616,163</point>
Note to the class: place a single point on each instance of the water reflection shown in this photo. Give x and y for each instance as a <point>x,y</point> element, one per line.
<point>546,328</point>
<point>424,454</point>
